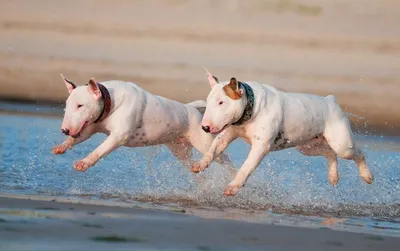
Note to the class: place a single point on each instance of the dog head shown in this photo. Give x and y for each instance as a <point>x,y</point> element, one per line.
<point>83,107</point>
<point>225,105</point>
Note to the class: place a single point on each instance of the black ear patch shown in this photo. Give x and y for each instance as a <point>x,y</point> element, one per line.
<point>71,83</point>
<point>215,78</point>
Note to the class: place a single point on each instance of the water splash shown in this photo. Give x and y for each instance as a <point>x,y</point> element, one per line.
<point>285,181</point>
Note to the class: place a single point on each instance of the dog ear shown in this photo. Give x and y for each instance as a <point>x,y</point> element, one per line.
<point>234,84</point>
<point>211,79</point>
<point>69,84</point>
<point>94,89</point>
<point>232,89</point>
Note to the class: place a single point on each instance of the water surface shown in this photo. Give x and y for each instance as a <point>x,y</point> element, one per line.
<point>287,186</point>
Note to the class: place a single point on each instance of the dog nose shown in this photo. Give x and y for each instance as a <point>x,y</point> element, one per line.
<point>206,128</point>
<point>65,131</point>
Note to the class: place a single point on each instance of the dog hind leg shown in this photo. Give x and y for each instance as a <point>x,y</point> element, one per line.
<point>182,150</point>
<point>339,136</point>
<point>320,147</point>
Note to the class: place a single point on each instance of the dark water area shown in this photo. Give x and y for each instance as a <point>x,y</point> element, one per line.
<point>286,183</point>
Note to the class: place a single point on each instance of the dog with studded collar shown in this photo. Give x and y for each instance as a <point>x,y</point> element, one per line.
<point>272,120</point>
<point>132,117</point>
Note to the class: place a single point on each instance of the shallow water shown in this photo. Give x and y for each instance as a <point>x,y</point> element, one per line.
<point>286,183</point>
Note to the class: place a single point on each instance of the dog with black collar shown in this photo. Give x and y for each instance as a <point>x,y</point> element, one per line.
<point>271,120</point>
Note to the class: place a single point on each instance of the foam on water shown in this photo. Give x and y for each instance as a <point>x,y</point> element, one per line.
<point>285,181</point>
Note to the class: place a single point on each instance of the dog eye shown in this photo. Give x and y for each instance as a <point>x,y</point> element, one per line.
<point>221,102</point>
<point>79,106</point>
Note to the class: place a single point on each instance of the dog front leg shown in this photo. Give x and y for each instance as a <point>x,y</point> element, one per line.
<point>69,142</point>
<point>219,144</point>
<point>257,153</point>
<point>110,144</point>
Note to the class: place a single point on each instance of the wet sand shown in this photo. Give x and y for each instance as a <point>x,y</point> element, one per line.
<point>45,223</point>
<point>349,49</point>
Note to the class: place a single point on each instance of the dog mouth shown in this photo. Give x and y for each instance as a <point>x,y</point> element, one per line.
<point>79,133</point>
<point>76,135</point>
<point>220,130</point>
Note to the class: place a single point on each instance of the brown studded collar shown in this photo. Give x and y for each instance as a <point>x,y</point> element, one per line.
<point>105,95</point>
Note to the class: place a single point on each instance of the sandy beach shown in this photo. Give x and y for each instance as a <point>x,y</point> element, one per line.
<point>348,49</point>
<point>45,223</point>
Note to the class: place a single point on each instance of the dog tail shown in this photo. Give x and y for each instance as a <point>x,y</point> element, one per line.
<point>200,105</point>
<point>331,98</point>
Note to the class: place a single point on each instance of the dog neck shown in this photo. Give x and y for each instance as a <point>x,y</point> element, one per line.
<point>248,110</point>
<point>105,96</point>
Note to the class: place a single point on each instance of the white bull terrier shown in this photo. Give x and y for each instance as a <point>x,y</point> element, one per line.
<point>272,120</point>
<point>132,117</point>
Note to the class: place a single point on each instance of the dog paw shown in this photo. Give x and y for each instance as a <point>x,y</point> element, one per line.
<point>232,190</point>
<point>367,177</point>
<point>333,179</point>
<point>81,166</point>
<point>198,167</point>
<point>60,149</point>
